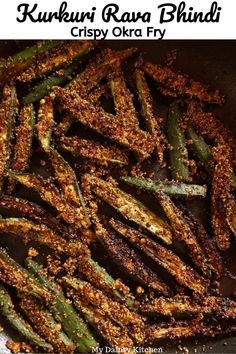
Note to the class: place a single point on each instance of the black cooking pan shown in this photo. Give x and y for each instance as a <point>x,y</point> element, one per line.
<point>213,63</point>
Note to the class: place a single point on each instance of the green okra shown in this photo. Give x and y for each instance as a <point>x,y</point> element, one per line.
<point>117,312</point>
<point>16,276</point>
<point>98,70</point>
<point>63,311</point>
<point>203,151</point>
<point>112,333</point>
<point>17,322</point>
<point>99,277</point>
<point>30,52</point>
<point>129,207</point>
<point>56,58</point>
<point>11,67</point>
<point>178,153</point>
<point>45,86</point>
<point>45,324</point>
<point>177,190</point>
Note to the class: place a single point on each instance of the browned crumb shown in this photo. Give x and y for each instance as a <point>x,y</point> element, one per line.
<point>16,347</point>
<point>32,252</point>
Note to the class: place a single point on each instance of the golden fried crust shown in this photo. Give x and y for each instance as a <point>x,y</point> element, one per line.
<point>151,121</point>
<point>182,84</point>
<point>183,273</point>
<point>133,138</point>
<point>222,201</point>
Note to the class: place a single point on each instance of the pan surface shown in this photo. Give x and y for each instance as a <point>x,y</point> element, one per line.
<point>213,63</point>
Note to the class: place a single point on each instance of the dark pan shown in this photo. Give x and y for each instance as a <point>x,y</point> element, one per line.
<point>212,62</point>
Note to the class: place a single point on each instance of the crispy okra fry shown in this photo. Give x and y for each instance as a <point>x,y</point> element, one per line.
<point>176,190</point>
<point>104,123</point>
<point>63,311</point>
<point>67,120</point>
<point>182,272</point>
<point>45,325</point>
<point>210,127</point>
<point>222,201</point>
<point>101,153</point>
<point>186,329</point>
<point>64,173</point>
<point>185,306</point>
<point>150,120</point>
<point>178,153</point>
<point>56,58</point>
<point>98,69</point>
<point>99,277</point>
<point>50,194</point>
<point>207,243</point>
<point>182,84</point>
<point>45,122</point>
<point>183,232</point>
<point>22,149</point>
<point>90,78</point>
<point>129,207</point>
<point>123,99</point>
<point>114,335</point>
<point>16,276</point>
<point>29,210</point>
<point>42,234</point>
<point>130,261</point>
<point>46,85</point>
<point>108,307</point>
<point>203,152</point>
<point>11,67</point>
<point>15,320</point>
<point>69,186</point>
<point>8,111</point>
